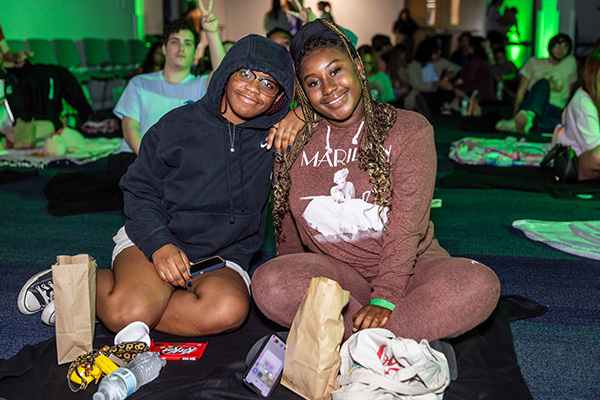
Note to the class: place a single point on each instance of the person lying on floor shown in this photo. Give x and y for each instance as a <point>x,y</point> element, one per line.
<point>580,127</point>
<point>544,89</point>
<point>351,203</point>
<point>199,188</point>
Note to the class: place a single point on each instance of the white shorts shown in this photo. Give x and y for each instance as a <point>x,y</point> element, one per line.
<point>122,242</point>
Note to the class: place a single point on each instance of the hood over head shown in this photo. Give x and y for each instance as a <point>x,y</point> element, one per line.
<point>258,54</point>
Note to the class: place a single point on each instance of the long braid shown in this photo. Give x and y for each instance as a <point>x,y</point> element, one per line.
<point>379,118</point>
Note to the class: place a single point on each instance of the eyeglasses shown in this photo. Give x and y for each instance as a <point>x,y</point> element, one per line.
<point>265,86</point>
<point>562,45</point>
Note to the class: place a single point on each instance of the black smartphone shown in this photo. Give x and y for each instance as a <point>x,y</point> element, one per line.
<point>265,370</point>
<point>210,264</point>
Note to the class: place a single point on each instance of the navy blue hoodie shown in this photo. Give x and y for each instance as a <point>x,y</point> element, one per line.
<point>187,188</point>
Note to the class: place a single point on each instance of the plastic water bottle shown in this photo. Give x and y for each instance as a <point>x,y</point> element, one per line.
<point>464,106</point>
<point>499,90</point>
<point>125,380</point>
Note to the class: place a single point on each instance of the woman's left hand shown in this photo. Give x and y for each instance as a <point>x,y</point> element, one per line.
<point>371,316</point>
<point>283,134</point>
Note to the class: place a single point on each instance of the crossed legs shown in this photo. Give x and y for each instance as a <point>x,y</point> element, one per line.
<point>445,296</point>
<point>217,301</point>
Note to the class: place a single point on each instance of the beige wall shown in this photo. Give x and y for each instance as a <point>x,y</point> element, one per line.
<point>364,18</point>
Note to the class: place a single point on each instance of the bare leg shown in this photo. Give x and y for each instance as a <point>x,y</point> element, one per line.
<point>133,291</point>
<point>589,164</point>
<point>217,302</point>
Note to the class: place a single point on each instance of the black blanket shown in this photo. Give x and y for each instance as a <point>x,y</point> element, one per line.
<point>487,364</point>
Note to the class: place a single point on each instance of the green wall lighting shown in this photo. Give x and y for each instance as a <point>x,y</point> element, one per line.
<point>139,17</point>
<point>547,26</point>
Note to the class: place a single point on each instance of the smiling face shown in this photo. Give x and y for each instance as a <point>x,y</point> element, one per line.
<point>332,86</point>
<point>245,101</point>
<point>180,50</point>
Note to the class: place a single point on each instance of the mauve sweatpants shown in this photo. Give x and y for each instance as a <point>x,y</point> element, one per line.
<point>445,297</point>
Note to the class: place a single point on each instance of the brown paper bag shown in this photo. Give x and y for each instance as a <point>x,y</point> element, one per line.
<point>74,280</point>
<point>312,358</point>
<point>24,135</point>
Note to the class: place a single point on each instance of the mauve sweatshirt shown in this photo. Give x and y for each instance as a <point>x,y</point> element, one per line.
<point>333,210</point>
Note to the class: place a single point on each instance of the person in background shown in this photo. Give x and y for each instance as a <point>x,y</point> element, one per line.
<point>544,89</point>
<point>325,8</point>
<point>280,36</point>
<point>277,17</point>
<point>154,61</point>
<point>462,55</point>
<point>496,21</point>
<point>379,82</point>
<point>405,28</point>
<point>476,75</point>
<point>382,45</point>
<point>505,74</point>
<point>363,220</point>
<point>37,91</point>
<point>580,126</point>
<point>433,80</point>
<point>398,71</point>
<point>10,59</point>
<point>148,97</point>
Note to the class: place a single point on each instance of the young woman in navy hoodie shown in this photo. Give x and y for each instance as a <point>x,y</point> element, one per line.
<point>199,188</point>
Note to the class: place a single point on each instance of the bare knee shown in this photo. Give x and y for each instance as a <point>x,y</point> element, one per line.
<point>224,313</point>
<point>118,311</point>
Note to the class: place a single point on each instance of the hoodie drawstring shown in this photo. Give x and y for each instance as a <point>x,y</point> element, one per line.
<point>229,190</point>
<point>229,148</point>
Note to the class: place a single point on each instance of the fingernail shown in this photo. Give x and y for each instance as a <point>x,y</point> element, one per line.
<point>289,146</point>
<point>283,153</point>
<point>276,154</point>
<point>189,283</point>
<point>353,329</point>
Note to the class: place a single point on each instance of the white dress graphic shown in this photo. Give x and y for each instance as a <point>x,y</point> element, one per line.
<point>341,216</point>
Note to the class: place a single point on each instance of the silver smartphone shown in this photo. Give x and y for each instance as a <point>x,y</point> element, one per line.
<point>264,373</point>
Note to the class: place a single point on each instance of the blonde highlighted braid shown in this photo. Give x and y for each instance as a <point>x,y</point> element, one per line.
<point>379,118</point>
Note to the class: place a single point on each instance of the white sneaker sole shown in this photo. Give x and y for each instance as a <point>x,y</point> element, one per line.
<point>23,293</point>
<point>48,314</point>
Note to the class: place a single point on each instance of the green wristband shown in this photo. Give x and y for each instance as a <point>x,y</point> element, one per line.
<point>383,303</point>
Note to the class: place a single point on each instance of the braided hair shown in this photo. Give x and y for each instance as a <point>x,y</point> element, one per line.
<point>379,118</point>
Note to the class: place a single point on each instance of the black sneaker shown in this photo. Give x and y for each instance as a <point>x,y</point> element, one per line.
<point>36,293</point>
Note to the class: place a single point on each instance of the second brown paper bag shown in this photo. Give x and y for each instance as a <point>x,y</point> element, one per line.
<point>312,358</point>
